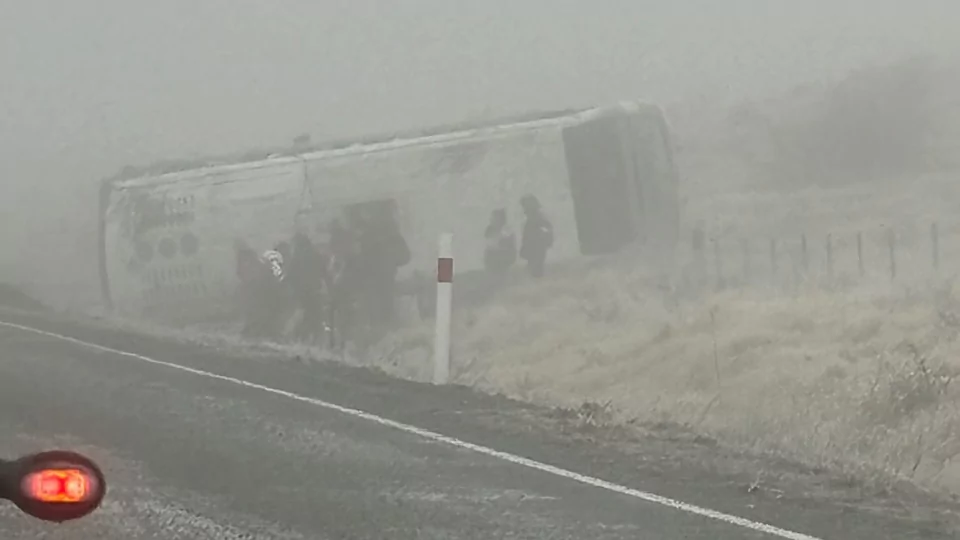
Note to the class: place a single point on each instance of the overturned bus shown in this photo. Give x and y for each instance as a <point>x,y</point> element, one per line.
<point>605,176</point>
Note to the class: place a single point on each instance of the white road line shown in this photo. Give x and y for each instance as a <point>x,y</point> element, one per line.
<point>452,441</point>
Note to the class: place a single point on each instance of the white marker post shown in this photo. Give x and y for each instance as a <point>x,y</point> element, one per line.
<point>444,314</point>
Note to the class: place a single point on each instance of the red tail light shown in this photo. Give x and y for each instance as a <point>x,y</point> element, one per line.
<point>53,486</point>
<point>59,485</point>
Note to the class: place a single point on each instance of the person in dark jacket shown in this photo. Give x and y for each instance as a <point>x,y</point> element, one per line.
<point>279,296</point>
<point>344,284</point>
<point>306,273</point>
<point>248,264</point>
<point>537,236</point>
<point>258,293</point>
<point>342,241</point>
<point>383,251</point>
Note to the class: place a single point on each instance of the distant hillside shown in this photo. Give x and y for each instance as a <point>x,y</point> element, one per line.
<point>878,122</point>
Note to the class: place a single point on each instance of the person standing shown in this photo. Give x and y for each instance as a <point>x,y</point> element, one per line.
<point>280,301</point>
<point>383,251</point>
<point>256,291</point>
<point>537,236</point>
<point>306,272</point>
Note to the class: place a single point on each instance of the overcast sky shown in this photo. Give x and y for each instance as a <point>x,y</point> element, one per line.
<point>90,85</point>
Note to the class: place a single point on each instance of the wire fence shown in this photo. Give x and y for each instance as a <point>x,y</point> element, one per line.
<point>831,259</point>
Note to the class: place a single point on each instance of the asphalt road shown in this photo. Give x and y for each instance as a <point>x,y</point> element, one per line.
<point>202,454</point>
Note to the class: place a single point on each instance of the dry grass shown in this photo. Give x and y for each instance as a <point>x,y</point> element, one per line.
<point>854,374</point>
<point>861,381</point>
<point>858,382</point>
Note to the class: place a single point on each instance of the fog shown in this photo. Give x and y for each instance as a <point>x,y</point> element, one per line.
<point>91,86</point>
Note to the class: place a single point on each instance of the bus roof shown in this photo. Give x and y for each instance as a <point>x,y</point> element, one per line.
<point>181,169</point>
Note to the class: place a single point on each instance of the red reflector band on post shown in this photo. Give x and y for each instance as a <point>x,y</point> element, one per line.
<point>445,270</point>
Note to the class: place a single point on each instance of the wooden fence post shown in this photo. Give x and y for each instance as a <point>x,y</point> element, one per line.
<point>829,256</point>
<point>721,283</point>
<point>773,257</point>
<point>745,252</point>
<point>892,245</point>
<point>803,254</point>
<point>860,265</point>
<point>935,244</point>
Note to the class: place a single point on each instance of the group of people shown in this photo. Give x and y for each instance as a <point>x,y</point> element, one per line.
<point>501,252</point>
<point>345,287</point>
<point>324,291</point>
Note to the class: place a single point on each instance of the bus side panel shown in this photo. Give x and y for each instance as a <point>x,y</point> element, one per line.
<point>453,186</point>
<point>524,162</point>
<point>169,247</point>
